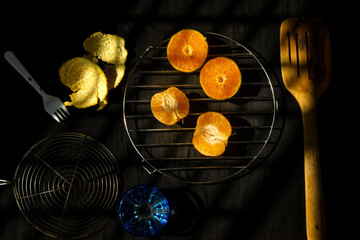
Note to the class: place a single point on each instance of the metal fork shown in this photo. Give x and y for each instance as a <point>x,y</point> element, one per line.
<point>52,105</point>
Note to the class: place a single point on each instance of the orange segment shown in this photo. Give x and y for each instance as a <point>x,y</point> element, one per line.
<point>211,134</point>
<point>220,78</point>
<point>170,106</point>
<point>187,50</point>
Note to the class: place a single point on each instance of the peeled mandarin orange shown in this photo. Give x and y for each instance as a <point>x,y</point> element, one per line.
<point>187,50</point>
<point>211,134</point>
<point>170,106</point>
<point>220,78</point>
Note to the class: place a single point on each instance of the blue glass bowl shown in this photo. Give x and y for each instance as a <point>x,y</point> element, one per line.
<point>143,211</point>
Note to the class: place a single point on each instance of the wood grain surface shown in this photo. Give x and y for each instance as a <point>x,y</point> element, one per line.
<point>269,202</point>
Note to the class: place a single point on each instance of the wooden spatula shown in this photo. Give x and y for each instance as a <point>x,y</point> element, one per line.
<point>306,68</point>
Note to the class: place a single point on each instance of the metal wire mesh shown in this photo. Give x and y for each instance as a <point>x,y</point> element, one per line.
<point>67,186</point>
<point>169,149</point>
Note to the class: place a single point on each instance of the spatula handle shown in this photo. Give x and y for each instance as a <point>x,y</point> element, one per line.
<point>314,201</point>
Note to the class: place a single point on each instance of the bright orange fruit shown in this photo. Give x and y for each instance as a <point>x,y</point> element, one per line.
<point>187,50</point>
<point>170,106</point>
<point>220,78</point>
<point>211,134</point>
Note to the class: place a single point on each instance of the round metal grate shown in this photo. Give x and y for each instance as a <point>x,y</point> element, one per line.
<point>168,149</point>
<point>67,185</point>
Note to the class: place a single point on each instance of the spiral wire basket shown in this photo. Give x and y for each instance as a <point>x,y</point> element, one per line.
<point>67,186</point>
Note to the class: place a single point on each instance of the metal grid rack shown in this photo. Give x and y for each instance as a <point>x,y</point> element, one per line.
<point>168,149</point>
<point>67,186</point>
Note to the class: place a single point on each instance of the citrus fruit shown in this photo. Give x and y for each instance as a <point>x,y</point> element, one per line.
<point>170,106</point>
<point>220,78</point>
<point>111,49</point>
<point>211,134</point>
<point>86,80</point>
<point>187,50</point>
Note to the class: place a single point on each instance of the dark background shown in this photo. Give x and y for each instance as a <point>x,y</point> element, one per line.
<point>265,204</point>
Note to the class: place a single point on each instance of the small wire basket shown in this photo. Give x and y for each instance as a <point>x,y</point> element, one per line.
<point>67,186</point>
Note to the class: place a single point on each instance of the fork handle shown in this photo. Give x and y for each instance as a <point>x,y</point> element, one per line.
<point>314,200</point>
<point>14,61</point>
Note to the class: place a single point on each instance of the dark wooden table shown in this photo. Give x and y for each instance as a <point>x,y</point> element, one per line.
<point>265,204</point>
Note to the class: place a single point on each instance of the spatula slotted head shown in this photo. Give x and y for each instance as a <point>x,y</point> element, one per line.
<point>305,56</point>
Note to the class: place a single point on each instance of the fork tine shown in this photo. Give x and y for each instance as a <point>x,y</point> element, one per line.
<point>55,117</point>
<point>62,113</point>
<point>59,115</point>
<point>64,109</point>
<point>56,108</point>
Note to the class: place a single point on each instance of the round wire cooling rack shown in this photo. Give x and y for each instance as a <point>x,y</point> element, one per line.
<point>168,150</point>
<point>67,186</point>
